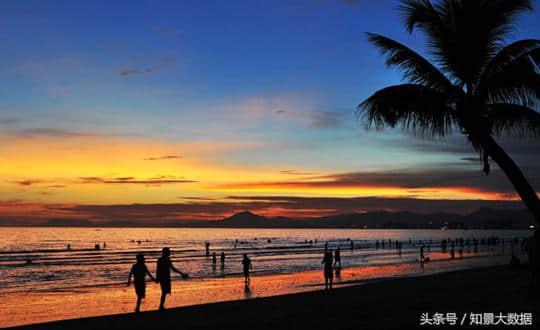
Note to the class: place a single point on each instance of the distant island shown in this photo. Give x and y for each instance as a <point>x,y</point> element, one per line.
<point>484,218</point>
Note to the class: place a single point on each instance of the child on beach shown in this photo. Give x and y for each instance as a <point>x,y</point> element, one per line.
<point>246,262</point>
<point>139,271</point>
<point>163,275</point>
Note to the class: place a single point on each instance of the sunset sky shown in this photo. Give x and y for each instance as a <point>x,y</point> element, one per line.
<point>198,109</point>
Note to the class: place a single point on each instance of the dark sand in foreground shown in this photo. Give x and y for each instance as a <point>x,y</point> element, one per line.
<point>388,304</point>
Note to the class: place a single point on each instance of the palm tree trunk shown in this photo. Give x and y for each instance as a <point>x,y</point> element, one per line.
<point>513,172</point>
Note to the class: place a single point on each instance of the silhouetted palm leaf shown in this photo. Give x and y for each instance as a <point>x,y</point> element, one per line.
<point>419,108</point>
<point>416,69</point>
<point>514,118</point>
<point>463,35</point>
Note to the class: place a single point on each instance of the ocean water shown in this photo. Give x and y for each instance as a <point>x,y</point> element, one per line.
<point>51,267</point>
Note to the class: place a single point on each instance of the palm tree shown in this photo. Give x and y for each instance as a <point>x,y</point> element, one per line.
<point>480,87</point>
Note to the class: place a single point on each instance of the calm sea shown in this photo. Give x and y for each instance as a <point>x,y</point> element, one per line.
<point>37,259</point>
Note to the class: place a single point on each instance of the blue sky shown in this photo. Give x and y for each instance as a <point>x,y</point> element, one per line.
<point>280,80</point>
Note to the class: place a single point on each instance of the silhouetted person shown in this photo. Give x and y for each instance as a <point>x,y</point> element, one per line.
<point>422,257</point>
<point>163,275</point>
<point>328,271</point>
<point>139,272</point>
<point>452,252</point>
<point>96,247</point>
<point>214,261</point>
<point>352,245</point>
<point>534,260</point>
<point>377,244</point>
<point>222,259</point>
<point>246,263</point>
<point>69,247</point>
<point>325,246</point>
<point>207,247</point>
<point>337,258</point>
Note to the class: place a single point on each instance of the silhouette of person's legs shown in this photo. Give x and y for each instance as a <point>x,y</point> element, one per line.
<point>138,307</point>
<point>162,301</point>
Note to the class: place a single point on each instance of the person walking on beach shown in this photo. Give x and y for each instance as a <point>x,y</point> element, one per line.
<point>246,263</point>
<point>139,271</point>
<point>214,261</point>
<point>328,273</point>
<point>163,275</point>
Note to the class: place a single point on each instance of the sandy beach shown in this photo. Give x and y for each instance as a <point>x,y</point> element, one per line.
<point>390,304</point>
<point>21,309</point>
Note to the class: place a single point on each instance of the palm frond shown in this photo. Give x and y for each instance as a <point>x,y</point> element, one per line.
<point>463,35</point>
<point>518,82</point>
<point>513,118</point>
<point>415,107</point>
<point>419,13</point>
<point>508,55</point>
<point>416,69</point>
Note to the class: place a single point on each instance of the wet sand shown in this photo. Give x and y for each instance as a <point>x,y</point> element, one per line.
<point>38,307</point>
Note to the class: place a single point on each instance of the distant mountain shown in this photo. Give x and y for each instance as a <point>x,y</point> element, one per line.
<point>480,219</point>
<point>245,219</point>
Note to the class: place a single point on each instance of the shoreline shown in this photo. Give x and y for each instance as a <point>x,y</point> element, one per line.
<point>38,307</point>
<point>386,303</point>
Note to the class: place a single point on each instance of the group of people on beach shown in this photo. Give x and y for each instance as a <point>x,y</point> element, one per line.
<point>331,261</point>
<point>139,271</point>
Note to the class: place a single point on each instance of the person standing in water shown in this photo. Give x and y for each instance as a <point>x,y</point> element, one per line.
<point>222,259</point>
<point>337,258</point>
<point>246,263</point>
<point>207,247</point>
<point>328,273</point>
<point>163,275</point>
<point>139,271</point>
<point>214,261</point>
